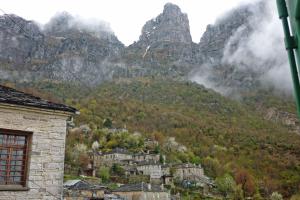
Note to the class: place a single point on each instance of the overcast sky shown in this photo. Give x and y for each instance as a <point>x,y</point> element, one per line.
<point>126,17</point>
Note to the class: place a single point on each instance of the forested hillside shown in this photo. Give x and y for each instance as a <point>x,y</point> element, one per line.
<point>228,136</point>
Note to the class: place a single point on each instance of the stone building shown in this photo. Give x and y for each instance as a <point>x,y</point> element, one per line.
<point>81,190</point>
<point>142,191</point>
<point>150,169</point>
<point>189,172</point>
<point>148,157</point>
<point>32,146</point>
<point>117,155</point>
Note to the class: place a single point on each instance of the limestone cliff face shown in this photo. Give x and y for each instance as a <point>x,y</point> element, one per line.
<point>228,64</point>
<point>216,37</point>
<point>67,49</point>
<point>165,46</point>
<point>170,26</point>
<point>20,40</point>
<point>64,50</point>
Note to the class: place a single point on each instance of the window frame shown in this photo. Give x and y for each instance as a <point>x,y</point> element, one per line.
<point>27,159</point>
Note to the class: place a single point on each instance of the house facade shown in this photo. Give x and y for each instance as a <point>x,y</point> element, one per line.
<point>82,190</point>
<point>188,171</point>
<point>150,169</point>
<point>142,191</point>
<point>117,155</point>
<point>148,157</point>
<point>32,146</point>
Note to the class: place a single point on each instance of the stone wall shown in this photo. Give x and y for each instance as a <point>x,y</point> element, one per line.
<point>189,173</point>
<point>111,158</point>
<point>139,195</point>
<point>154,171</point>
<point>46,160</point>
<point>83,194</point>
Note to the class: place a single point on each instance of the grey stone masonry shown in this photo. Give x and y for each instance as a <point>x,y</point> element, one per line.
<point>46,160</point>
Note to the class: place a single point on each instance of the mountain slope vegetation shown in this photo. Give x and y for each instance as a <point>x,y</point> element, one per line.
<point>229,136</point>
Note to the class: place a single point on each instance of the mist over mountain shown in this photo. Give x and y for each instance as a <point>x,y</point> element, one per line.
<point>244,50</point>
<point>241,52</point>
<point>65,49</point>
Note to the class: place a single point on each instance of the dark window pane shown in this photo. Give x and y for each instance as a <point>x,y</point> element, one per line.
<point>12,156</point>
<point>18,168</point>
<point>11,139</point>
<point>18,174</point>
<point>3,154</point>
<point>19,162</point>
<point>20,140</point>
<point>17,179</point>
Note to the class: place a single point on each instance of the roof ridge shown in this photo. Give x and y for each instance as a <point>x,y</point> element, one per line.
<point>13,96</point>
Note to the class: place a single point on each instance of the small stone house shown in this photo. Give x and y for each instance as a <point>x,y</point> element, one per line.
<point>82,190</point>
<point>117,155</point>
<point>141,157</point>
<point>32,146</point>
<point>142,191</point>
<point>189,172</point>
<point>150,169</point>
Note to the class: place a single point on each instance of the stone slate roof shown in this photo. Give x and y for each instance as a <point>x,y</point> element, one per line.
<point>77,185</point>
<point>12,96</point>
<point>139,187</point>
<point>82,185</point>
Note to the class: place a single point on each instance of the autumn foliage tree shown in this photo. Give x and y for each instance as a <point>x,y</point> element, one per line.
<point>243,178</point>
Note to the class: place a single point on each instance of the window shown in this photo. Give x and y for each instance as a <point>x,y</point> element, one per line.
<point>14,149</point>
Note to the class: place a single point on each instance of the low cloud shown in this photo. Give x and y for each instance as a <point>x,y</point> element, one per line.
<point>256,52</point>
<point>64,21</point>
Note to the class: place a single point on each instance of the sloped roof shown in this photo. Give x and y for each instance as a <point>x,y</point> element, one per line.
<point>15,97</point>
<point>70,183</point>
<point>82,185</point>
<point>77,185</point>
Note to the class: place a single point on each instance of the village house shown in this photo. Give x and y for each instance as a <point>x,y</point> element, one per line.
<point>32,146</point>
<point>151,169</point>
<point>142,191</point>
<point>82,190</point>
<point>122,157</point>
<point>149,157</point>
<point>117,155</point>
<point>188,171</point>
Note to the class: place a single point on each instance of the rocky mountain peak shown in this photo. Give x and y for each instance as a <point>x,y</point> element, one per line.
<point>14,24</point>
<point>171,26</point>
<point>65,24</point>
<point>172,9</point>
